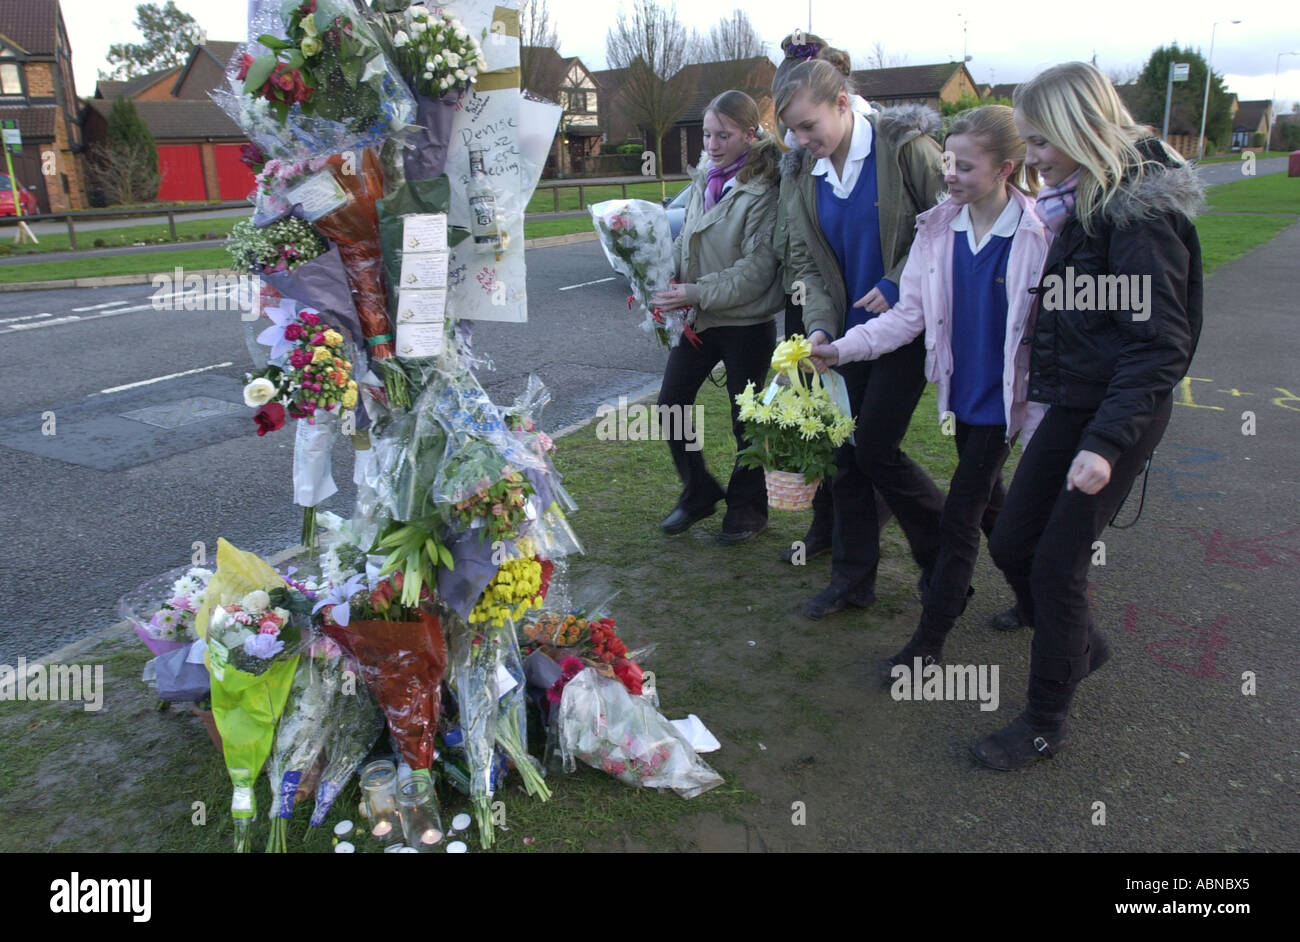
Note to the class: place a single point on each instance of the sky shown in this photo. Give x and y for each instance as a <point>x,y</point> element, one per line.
<point>1004,45</point>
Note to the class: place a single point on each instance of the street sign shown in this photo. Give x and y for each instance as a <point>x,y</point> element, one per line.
<point>1181,71</point>
<point>13,137</point>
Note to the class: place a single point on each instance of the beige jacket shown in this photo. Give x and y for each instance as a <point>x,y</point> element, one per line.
<point>726,254</point>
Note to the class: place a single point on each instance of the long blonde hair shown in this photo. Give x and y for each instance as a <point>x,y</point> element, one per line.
<point>1079,112</point>
<point>823,80</point>
<point>764,154</point>
<point>994,128</point>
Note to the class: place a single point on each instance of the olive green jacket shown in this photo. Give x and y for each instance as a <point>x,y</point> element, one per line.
<point>726,256</point>
<point>909,179</point>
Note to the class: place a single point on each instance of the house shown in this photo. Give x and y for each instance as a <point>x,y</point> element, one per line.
<point>571,84</point>
<point>697,85</point>
<point>916,84</point>
<point>1001,90</point>
<point>198,143</point>
<point>1252,117</point>
<point>37,91</point>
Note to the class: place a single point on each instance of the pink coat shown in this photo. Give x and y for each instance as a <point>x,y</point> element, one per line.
<point>925,303</point>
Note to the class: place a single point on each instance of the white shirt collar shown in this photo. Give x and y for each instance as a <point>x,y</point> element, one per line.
<point>1005,226</point>
<point>859,150</point>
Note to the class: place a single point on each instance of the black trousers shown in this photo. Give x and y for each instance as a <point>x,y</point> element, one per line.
<point>746,352</point>
<point>1043,538</point>
<point>975,497</point>
<point>883,394</point>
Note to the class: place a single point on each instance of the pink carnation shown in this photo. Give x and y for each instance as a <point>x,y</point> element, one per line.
<point>293,332</point>
<point>310,318</point>
<point>299,358</point>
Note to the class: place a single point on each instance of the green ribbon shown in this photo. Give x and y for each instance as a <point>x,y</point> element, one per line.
<point>376,341</point>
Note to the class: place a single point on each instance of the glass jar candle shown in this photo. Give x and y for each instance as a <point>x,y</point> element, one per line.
<point>418,807</point>
<point>379,786</point>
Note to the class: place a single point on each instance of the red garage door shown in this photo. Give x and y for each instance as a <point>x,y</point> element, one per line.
<point>181,168</point>
<point>235,179</point>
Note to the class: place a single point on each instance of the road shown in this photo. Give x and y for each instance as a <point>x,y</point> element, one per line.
<point>110,501</point>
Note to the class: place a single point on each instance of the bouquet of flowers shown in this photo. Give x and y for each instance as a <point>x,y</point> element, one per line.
<point>163,610</point>
<point>351,730</point>
<point>252,621</point>
<point>439,60</point>
<point>512,716</point>
<point>318,377</point>
<point>472,677</point>
<point>794,429</point>
<point>280,246</point>
<point>638,243</point>
<point>515,589</point>
<point>611,730</point>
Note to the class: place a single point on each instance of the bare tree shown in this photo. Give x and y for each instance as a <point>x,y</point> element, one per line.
<point>540,66</point>
<point>121,172</point>
<point>650,44</point>
<point>1123,75</point>
<point>731,39</point>
<point>877,58</point>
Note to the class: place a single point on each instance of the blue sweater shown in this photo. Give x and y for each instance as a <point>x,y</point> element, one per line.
<point>979,329</point>
<point>852,227</point>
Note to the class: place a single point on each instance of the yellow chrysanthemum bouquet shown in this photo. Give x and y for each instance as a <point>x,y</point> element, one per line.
<point>794,428</point>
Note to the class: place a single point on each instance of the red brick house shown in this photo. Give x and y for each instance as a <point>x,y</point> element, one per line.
<point>37,90</point>
<point>198,144</point>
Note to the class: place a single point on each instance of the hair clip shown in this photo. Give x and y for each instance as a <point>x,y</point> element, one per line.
<point>804,51</point>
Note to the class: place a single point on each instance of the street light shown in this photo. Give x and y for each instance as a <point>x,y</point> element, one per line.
<point>1272,102</point>
<point>1205,105</point>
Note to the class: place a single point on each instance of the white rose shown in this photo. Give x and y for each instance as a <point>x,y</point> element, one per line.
<point>259,392</point>
<point>255,601</point>
<point>460,74</point>
<point>400,38</point>
<point>437,58</point>
<point>428,76</point>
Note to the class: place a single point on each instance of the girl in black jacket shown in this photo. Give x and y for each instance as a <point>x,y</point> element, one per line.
<point>1118,321</point>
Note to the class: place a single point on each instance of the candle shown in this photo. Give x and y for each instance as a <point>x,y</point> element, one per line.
<point>431,836</point>
<point>344,847</point>
<point>461,823</point>
<point>408,850</point>
<point>343,830</point>
<point>395,849</point>
<point>457,847</point>
<point>382,828</point>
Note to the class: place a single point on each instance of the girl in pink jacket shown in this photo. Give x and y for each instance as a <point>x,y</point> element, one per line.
<point>967,284</point>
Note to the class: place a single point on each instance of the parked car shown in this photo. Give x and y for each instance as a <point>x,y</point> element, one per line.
<point>676,208</point>
<point>26,198</point>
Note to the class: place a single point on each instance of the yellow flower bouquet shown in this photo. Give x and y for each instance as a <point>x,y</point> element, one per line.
<point>793,429</point>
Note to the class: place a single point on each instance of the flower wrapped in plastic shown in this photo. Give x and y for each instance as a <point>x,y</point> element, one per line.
<point>300,738</point>
<point>624,736</point>
<point>472,677</point>
<point>352,729</point>
<point>639,245</point>
<point>163,610</point>
<point>254,624</point>
<point>512,715</point>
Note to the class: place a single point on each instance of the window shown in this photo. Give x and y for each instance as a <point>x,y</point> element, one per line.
<point>11,82</point>
<point>577,101</point>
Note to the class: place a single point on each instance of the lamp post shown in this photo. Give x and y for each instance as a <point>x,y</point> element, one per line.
<point>1205,105</point>
<point>1272,102</point>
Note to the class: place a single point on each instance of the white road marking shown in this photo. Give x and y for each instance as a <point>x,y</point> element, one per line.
<point>77,318</point>
<point>99,307</point>
<point>27,317</point>
<point>598,281</point>
<point>159,379</point>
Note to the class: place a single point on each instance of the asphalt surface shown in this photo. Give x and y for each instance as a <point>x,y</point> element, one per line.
<point>107,502</point>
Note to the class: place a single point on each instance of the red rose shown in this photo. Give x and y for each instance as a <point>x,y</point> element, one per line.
<point>630,673</point>
<point>269,418</point>
<point>244,62</point>
<point>299,359</point>
<point>309,317</point>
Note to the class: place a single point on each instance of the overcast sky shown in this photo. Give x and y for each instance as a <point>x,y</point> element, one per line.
<point>1002,46</point>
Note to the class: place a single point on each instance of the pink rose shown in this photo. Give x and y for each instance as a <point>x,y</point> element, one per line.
<point>293,332</point>
<point>318,339</point>
<point>299,358</point>
<point>311,318</point>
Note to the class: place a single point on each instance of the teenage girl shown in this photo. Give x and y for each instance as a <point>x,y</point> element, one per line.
<point>727,271</point>
<point>1121,204</point>
<point>859,178</point>
<point>968,280</point>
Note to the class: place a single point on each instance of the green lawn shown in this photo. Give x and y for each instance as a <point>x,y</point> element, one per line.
<point>1274,193</point>
<point>543,201</point>
<point>142,263</point>
<point>186,230</point>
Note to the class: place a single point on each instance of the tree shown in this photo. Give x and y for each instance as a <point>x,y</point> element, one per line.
<point>1149,103</point>
<point>651,46</point>
<point>540,66</point>
<point>877,58</point>
<point>124,168</point>
<point>170,34</point>
<point>731,39</point>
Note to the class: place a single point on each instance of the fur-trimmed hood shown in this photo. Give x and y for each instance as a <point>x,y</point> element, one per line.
<point>901,122</point>
<point>1167,185</point>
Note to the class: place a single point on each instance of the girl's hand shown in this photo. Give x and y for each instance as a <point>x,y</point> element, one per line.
<point>874,301</point>
<point>1089,473</point>
<point>824,356</point>
<point>670,298</point>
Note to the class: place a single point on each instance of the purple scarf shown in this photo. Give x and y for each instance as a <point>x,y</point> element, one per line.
<point>1055,203</point>
<point>718,177</point>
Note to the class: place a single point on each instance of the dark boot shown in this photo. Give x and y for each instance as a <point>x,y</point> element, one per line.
<point>1037,733</point>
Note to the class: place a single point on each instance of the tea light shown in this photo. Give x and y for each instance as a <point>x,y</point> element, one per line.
<point>407,850</point>
<point>460,823</point>
<point>457,847</point>
<point>382,828</point>
<point>343,830</point>
<point>430,837</point>
<point>344,847</point>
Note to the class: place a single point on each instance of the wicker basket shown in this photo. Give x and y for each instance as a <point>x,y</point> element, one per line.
<point>787,490</point>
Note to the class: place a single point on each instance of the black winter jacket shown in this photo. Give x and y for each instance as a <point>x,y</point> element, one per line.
<point>1119,345</point>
